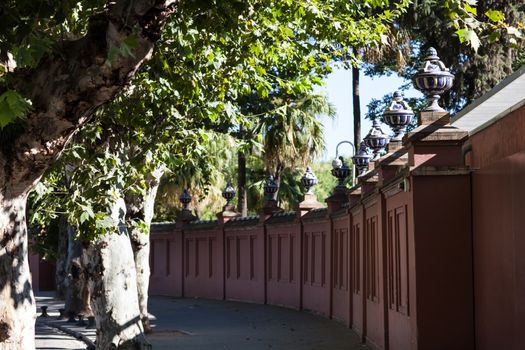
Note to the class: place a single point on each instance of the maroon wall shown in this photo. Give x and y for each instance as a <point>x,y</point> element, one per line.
<point>244,264</point>
<point>400,286</point>
<point>425,254</point>
<point>443,262</point>
<point>357,277</point>
<point>203,264</point>
<point>341,307</point>
<point>317,266</point>
<point>498,197</point>
<point>374,272</point>
<point>165,261</point>
<point>284,264</point>
<point>42,273</point>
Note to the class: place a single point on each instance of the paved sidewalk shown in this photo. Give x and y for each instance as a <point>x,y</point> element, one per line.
<point>199,324</point>
<point>47,334</point>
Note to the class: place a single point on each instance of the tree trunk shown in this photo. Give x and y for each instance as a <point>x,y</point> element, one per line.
<point>113,287</point>
<point>61,272</point>
<point>142,208</point>
<point>77,293</point>
<point>356,102</point>
<point>242,202</point>
<point>279,169</point>
<point>17,304</point>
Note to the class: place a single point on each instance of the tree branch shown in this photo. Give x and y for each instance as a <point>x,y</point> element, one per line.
<point>75,79</point>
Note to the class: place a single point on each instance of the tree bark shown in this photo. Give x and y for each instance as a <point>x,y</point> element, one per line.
<point>77,293</point>
<point>17,304</point>
<point>142,208</point>
<point>62,259</point>
<point>242,203</point>
<point>113,286</point>
<point>278,175</point>
<point>356,100</point>
<point>68,85</point>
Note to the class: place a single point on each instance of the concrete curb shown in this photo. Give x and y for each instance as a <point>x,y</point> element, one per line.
<point>77,335</point>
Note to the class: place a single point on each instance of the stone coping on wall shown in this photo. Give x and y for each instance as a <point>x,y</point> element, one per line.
<point>500,101</point>
<point>161,227</point>
<point>242,221</point>
<point>316,214</point>
<point>282,217</point>
<point>203,224</point>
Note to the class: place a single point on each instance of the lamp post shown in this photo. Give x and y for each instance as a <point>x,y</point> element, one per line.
<point>339,168</point>
<point>433,79</point>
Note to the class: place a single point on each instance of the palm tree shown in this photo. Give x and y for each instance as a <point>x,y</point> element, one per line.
<point>291,132</point>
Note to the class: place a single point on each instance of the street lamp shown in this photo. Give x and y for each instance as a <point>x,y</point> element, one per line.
<point>339,168</point>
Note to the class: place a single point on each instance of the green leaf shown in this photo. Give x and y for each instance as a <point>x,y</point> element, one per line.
<point>84,217</point>
<point>105,222</point>
<point>461,34</point>
<point>494,36</point>
<point>471,9</point>
<point>469,36</point>
<point>12,106</point>
<point>495,15</point>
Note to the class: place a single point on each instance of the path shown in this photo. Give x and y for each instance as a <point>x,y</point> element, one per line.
<point>198,324</point>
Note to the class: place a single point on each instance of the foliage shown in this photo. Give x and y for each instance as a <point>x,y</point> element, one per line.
<point>291,132</point>
<point>208,58</point>
<point>12,106</point>
<point>489,43</point>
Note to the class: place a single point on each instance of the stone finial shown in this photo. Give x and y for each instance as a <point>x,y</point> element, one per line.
<point>398,115</point>
<point>309,180</point>
<point>185,199</point>
<point>270,188</point>
<point>228,193</point>
<point>376,139</point>
<point>361,159</point>
<point>433,79</point>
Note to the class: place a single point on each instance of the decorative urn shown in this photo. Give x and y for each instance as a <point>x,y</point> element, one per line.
<point>398,116</point>
<point>270,188</point>
<point>376,139</point>
<point>228,193</point>
<point>433,79</point>
<point>340,171</point>
<point>309,180</point>
<point>185,199</point>
<point>361,159</point>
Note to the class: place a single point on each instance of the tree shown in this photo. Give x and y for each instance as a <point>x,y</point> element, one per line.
<point>480,47</point>
<point>74,57</point>
<point>291,132</point>
<point>65,85</point>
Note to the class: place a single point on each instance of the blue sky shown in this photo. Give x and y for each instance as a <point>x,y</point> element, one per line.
<point>339,91</point>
